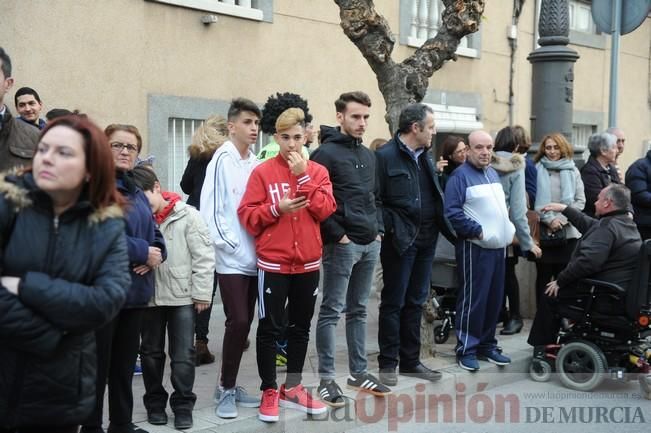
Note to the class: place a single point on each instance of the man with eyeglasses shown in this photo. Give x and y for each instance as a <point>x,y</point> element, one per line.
<point>18,140</point>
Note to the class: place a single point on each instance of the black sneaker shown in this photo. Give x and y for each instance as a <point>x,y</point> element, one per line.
<point>330,393</point>
<point>368,383</point>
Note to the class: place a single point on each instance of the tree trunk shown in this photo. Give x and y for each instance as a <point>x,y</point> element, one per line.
<point>406,82</point>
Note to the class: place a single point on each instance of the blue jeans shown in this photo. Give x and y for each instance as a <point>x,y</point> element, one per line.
<point>347,280</point>
<point>406,287</point>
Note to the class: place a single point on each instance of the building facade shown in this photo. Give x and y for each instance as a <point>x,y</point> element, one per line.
<point>164,65</point>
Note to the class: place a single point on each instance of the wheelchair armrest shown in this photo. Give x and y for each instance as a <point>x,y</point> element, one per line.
<point>601,285</point>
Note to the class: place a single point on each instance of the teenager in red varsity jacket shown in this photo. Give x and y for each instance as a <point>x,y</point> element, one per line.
<point>285,201</point>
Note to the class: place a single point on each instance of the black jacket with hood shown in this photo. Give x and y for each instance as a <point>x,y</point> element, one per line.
<point>351,166</point>
<point>74,278</point>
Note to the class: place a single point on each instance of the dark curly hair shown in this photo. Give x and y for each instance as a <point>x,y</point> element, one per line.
<point>274,107</point>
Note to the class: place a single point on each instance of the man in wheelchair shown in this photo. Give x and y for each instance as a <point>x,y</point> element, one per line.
<point>590,311</point>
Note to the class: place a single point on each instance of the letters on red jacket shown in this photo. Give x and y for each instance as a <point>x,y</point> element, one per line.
<point>286,243</point>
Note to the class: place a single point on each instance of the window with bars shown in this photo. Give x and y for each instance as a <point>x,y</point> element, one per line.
<point>421,19</point>
<point>179,133</point>
<point>580,135</point>
<point>581,17</point>
<point>258,10</point>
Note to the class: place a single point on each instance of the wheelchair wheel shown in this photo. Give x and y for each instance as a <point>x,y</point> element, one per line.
<point>440,335</point>
<point>540,370</point>
<point>581,365</point>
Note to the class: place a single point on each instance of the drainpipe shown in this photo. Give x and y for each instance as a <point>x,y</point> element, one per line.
<point>512,36</point>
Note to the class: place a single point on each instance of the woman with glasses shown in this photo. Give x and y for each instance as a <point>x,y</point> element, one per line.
<point>118,342</point>
<point>453,154</point>
<point>63,256</point>
<point>559,181</point>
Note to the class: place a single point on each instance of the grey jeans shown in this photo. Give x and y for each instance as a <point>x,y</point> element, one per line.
<point>347,280</point>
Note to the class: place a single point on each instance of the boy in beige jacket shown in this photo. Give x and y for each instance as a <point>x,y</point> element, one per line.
<point>183,283</point>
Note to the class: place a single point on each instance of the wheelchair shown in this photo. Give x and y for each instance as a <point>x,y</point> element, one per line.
<point>605,332</point>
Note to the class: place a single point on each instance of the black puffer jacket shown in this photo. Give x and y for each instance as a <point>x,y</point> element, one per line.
<point>608,249</point>
<point>351,166</point>
<point>74,278</point>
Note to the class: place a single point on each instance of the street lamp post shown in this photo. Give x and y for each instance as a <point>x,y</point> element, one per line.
<point>553,76</point>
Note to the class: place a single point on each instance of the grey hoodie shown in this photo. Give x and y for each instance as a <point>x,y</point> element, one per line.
<point>510,168</point>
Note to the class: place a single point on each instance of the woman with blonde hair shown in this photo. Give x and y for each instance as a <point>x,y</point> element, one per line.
<point>558,181</point>
<point>206,140</point>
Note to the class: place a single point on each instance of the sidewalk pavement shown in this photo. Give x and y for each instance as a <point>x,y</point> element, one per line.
<point>364,409</point>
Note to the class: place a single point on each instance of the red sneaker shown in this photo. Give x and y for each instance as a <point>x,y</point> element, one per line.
<point>298,398</point>
<point>269,406</point>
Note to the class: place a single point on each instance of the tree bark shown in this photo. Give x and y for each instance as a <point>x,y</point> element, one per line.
<point>406,82</point>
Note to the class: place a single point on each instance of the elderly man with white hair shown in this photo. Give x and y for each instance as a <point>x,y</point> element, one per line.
<point>600,170</point>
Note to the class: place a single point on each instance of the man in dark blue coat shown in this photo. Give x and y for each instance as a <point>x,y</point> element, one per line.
<point>412,206</point>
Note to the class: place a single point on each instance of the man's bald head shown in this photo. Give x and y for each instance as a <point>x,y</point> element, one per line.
<point>479,135</point>
<point>480,148</point>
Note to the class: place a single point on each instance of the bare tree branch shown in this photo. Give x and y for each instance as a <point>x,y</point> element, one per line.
<point>369,31</point>
<point>460,18</point>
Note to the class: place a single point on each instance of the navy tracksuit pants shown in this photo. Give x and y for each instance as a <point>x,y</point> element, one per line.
<point>479,297</point>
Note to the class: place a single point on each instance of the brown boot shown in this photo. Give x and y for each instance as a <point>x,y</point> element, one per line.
<point>203,355</point>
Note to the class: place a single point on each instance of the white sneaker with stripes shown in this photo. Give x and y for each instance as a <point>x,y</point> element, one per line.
<point>368,383</point>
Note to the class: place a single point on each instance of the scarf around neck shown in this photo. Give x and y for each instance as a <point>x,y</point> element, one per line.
<point>568,181</point>
<point>171,198</point>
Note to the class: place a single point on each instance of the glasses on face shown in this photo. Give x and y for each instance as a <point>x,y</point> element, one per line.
<point>116,146</point>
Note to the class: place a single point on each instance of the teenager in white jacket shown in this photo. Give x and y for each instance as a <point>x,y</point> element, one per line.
<point>235,261</point>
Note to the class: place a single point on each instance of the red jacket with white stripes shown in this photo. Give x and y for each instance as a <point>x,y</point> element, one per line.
<point>286,243</point>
